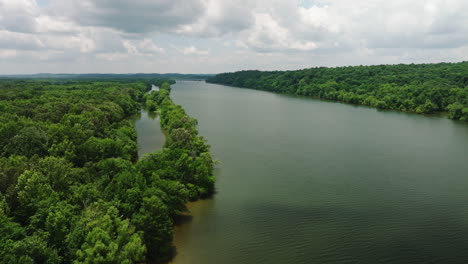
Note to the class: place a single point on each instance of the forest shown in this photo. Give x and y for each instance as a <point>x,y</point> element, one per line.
<point>72,187</point>
<point>419,88</point>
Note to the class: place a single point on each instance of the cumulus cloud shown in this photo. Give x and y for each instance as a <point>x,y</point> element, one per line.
<point>391,24</point>
<point>219,18</point>
<point>25,16</point>
<point>15,40</point>
<point>18,16</point>
<point>136,16</point>
<point>140,47</point>
<point>297,33</point>
<point>48,34</point>
<point>268,35</point>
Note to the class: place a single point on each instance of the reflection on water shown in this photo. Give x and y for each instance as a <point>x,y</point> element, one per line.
<point>203,209</point>
<point>150,138</point>
<point>149,135</point>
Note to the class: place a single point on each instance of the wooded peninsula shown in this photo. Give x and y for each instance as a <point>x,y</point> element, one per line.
<point>419,88</point>
<point>72,187</point>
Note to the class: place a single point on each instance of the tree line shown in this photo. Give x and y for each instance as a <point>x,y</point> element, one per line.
<point>419,88</point>
<point>72,187</point>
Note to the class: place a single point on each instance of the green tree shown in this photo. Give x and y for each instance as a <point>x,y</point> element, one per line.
<point>153,219</point>
<point>34,192</point>
<point>28,142</point>
<point>110,239</point>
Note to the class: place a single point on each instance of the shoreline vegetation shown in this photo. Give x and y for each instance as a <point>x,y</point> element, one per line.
<point>417,88</point>
<point>72,187</point>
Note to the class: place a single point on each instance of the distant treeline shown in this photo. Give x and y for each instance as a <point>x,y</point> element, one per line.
<point>420,88</point>
<point>109,76</point>
<point>72,189</point>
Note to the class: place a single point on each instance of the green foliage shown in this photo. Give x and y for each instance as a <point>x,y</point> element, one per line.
<point>153,219</point>
<point>10,169</point>
<point>458,111</point>
<point>28,142</point>
<point>185,157</point>
<point>72,189</point>
<point>10,231</point>
<point>34,193</point>
<point>31,249</point>
<point>423,88</point>
<point>109,238</point>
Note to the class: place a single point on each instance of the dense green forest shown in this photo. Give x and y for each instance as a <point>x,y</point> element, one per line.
<point>72,188</point>
<point>420,88</point>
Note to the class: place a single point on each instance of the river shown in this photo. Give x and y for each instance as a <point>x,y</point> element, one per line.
<point>309,181</point>
<point>150,137</point>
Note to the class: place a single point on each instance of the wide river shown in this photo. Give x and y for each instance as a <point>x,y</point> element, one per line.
<point>309,181</point>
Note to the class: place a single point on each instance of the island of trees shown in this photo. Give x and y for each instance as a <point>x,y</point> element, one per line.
<point>419,88</point>
<point>72,188</point>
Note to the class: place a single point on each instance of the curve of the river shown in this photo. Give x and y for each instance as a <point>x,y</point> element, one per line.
<point>307,181</point>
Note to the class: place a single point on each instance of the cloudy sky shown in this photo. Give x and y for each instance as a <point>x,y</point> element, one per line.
<point>211,36</point>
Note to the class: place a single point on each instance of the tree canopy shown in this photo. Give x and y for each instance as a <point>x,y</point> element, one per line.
<point>419,88</point>
<point>72,187</point>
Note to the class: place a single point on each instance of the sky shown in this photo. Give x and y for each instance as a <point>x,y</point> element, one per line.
<point>212,36</point>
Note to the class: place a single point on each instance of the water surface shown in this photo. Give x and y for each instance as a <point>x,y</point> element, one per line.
<point>150,138</point>
<point>307,181</point>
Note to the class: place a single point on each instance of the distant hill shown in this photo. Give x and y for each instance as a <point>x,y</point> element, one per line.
<point>96,76</point>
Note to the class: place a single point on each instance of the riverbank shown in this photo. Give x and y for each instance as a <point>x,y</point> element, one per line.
<point>184,159</point>
<point>182,137</point>
<point>421,89</point>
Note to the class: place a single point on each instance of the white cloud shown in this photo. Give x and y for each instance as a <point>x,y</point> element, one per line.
<point>271,34</point>
<point>57,25</point>
<point>18,15</point>
<point>193,51</point>
<point>113,56</point>
<point>140,47</point>
<point>22,41</point>
<point>136,16</point>
<point>267,35</point>
<point>219,18</point>
<point>391,24</point>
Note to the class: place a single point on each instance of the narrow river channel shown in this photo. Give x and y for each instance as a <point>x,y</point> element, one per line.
<point>149,135</point>
<point>308,181</point>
